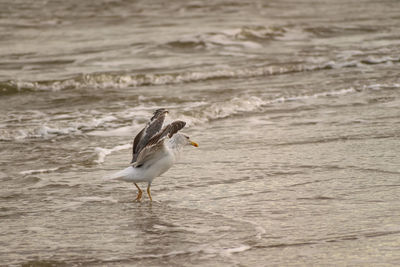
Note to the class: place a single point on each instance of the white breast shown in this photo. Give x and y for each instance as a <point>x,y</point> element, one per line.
<point>159,166</point>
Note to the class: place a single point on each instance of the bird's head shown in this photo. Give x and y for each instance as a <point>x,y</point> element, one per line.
<point>188,141</point>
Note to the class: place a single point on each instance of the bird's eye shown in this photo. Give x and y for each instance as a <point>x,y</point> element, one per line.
<point>187,137</point>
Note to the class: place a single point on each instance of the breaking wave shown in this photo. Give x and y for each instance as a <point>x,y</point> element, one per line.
<point>121,124</point>
<point>248,37</point>
<point>77,124</point>
<point>125,80</point>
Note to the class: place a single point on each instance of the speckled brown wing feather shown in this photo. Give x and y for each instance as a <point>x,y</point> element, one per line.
<point>156,144</point>
<point>169,130</point>
<point>152,128</point>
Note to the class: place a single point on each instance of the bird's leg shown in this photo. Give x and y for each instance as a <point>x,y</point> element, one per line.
<point>148,192</point>
<point>139,194</point>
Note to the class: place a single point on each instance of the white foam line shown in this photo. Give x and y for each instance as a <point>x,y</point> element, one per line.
<point>317,95</point>
<point>246,104</point>
<point>103,152</point>
<point>230,251</point>
<point>39,171</point>
<point>257,227</point>
<point>213,251</point>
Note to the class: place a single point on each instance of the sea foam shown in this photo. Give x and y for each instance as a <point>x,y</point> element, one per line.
<point>124,80</point>
<point>103,152</point>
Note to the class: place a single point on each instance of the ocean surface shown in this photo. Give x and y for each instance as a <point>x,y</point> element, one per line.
<point>295,106</point>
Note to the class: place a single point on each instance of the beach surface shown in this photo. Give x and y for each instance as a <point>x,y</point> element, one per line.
<point>294,105</point>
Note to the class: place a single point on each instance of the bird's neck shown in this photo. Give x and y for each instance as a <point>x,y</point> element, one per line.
<point>176,145</point>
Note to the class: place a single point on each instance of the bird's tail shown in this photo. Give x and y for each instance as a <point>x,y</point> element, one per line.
<point>125,174</point>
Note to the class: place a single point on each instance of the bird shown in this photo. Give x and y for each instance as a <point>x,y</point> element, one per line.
<point>155,150</point>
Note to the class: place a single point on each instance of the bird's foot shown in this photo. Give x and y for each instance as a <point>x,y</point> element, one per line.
<point>138,197</point>
<point>139,194</point>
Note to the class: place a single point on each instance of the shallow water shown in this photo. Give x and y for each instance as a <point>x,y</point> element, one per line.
<point>295,107</point>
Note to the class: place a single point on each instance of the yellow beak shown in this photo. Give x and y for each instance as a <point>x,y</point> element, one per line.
<point>194,144</point>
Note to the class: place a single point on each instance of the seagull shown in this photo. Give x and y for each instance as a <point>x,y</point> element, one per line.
<point>155,149</point>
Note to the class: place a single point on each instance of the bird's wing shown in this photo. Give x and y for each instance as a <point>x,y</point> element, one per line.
<point>136,141</point>
<point>152,128</point>
<point>156,144</point>
<point>168,130</point>
<point>148,153</point>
